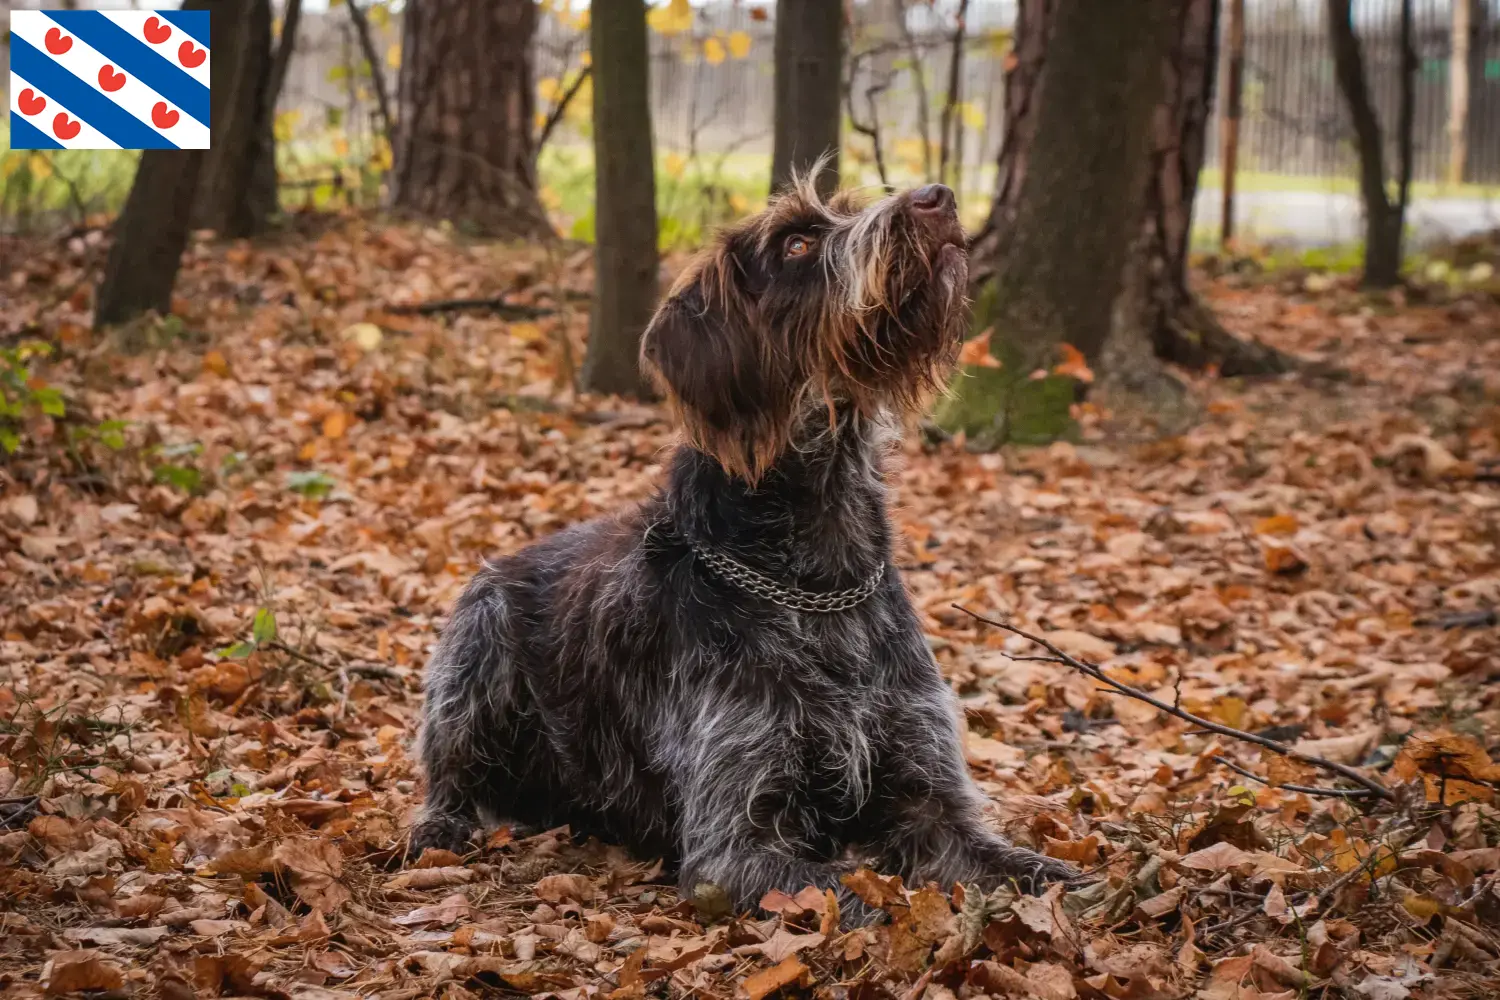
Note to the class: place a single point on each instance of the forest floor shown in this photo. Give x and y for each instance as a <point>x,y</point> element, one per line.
<point>224,566</point>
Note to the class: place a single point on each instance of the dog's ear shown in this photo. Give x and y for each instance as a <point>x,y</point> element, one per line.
<point>727,378</point>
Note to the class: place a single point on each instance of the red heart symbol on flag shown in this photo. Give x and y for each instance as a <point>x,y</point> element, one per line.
<point>58,43</point>
<point>31,102</point>
<point>109,79</point>
<point>161,117</point>
<point>190,57</point>
<point>156,32</point>
<point>63,128</point>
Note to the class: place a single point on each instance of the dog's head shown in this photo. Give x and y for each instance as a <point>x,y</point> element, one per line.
<point>811,303</point>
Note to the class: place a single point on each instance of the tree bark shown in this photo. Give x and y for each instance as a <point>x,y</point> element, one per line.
<point>809,83</point>
<point>232,197</point>
<point>1385,218</point>
<point>1055,256</point>
<point>1087,241</point>
<point>1229,119</point>
<point>464,117</point>
<point>150,235</point>
<point>625,261</point>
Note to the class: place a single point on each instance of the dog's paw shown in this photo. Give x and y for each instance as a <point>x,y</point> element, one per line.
<point>444,833</point>
<point>1042,871</point>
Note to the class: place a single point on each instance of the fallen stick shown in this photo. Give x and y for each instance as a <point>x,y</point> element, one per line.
<point>1373,787</point>
<point>1337,793</point>
<point>498,306</point>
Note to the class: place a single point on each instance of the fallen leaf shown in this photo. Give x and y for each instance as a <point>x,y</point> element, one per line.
<point>768,981</point>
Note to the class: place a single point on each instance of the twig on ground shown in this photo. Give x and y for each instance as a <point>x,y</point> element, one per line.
<point>1250,541</point>
<point>498,306</point>
<point>1482,618</point>
<point>363,669</point>
<point>1374,788</point>
<point>1337,793</point>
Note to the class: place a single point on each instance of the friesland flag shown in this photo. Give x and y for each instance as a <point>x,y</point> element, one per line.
<point>91,79</point>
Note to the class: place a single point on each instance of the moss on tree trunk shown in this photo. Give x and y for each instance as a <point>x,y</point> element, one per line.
<point>1087,241</point>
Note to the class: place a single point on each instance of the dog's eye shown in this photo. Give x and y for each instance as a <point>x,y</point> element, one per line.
<point>796,246</point>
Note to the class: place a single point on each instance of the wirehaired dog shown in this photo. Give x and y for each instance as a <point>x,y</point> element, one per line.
<point>731,674</point>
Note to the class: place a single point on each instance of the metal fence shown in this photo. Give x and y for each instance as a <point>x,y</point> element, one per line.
<point>711,82</point>
<point>1294,119</point>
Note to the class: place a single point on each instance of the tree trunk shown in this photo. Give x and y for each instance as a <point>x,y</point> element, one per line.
<point>1054,257</point>
<point>464,117</point>
<point>153,227</point>
<point>1087,241</point>
<point>231,187</point>
<point>150,235</point>
<point>808,90</point>
<point>1385,219</point>
<point>625,263</point>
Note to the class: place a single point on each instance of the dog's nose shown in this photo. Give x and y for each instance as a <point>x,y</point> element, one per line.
<point>933,198</point>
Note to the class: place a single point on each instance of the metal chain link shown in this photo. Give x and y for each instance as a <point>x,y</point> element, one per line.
<point>734,572</point>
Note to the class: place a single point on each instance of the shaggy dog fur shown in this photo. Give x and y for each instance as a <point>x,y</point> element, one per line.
<point>731,674</point>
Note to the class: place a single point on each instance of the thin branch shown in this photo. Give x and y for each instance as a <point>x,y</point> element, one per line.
<point>919,81</point>
<point>1375,788</point>
<point>948,142</point>
<point>1336,793</point>
<point>872,130</point>
<point>276,78</point>
<point>377,73</point>
<point>561,107</point>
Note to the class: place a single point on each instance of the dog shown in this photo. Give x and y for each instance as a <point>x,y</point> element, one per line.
<point>731,675</point>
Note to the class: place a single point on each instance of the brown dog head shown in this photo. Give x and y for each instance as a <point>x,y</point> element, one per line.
<point>811,303</point>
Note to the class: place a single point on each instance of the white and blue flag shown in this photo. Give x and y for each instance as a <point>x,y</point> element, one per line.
<point>89,79</point>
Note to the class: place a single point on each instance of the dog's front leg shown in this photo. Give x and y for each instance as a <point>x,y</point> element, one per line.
<point>937,831</point>
<point>744,827</point>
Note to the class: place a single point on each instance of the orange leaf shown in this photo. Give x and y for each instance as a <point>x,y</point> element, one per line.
<point>976,351</point>
<point>335,424</point>
<point>1073,364</point>
<point>1280,524</point>
<point>770,980</point>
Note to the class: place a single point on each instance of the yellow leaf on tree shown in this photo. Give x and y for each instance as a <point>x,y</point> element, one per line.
<point>674,165</point>
<point>713,51</point>
<point>380,15</point>
<point>40,166</point>
<point>393,56</point>
<point>971,114</point>
<point>547,88</point>
<point>739,44</point>
<point>671,18</point>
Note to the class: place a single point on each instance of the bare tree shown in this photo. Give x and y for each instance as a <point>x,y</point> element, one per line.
<point>625,262</point>
<point>174,189</point>
<point>1087,241</point>
<point>809,81</point>
<point>464,117</point>
<point>1385,217</point>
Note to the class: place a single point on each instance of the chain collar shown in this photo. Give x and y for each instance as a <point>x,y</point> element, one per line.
<point>736,573</point>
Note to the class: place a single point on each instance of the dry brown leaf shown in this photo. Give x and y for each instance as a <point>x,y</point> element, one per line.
<point>768,981</point>
<point>78,971</point>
